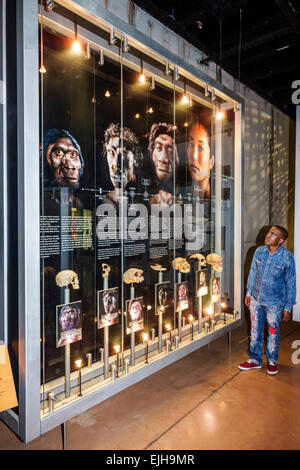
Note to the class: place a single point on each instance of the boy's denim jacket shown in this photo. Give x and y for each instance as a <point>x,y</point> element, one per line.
<point>272,278</point>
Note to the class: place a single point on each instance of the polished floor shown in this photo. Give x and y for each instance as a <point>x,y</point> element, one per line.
<point>201,402</point>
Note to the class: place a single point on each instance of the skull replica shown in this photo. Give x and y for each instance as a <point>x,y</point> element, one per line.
<point>200,258</point>
<point>105,270</point>
<point>181,264</point>
<point>66,277</point>
<point>133,275</point>
<point>216,262</point>
<point>157,267</point>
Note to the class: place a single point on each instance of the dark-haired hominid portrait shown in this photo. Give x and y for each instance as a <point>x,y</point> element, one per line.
<point>63,161</point>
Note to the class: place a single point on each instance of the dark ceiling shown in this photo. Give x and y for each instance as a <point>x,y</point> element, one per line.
<point>257,41</point>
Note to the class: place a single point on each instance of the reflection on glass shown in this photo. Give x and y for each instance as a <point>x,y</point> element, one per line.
<point>114,151</point>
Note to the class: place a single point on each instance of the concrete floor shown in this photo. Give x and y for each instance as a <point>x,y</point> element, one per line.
<point>201,402</point>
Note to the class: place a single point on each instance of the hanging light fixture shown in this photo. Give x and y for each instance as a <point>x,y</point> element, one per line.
<point>220,115</point>
<point>112,37</point>
<point>125,45</point>
<point>142,76</point>
<point>42,69</point>
<point>107,94</point>
<point>176,75</point>
<point>152,83</point>
<point>49,5</point>
<point>76,46</point>
<point>101,57</point>
<point>167,68</point>
<point>184,99</point>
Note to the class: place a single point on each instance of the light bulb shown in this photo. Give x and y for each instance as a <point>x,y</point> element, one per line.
<point>184,99</point>
<point>78,363</point>
<point>107,94</point>
<point>142,78</point>
<point>117,348</point>
<point>43,69</point>
<point>145,336</point>
<point>220,115</point>
<point>150,110</point>
<point>137,116</point>
<point>168,326</point>
<point>76,46</point>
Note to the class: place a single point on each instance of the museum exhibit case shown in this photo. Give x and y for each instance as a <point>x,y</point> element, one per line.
<point>138,212</point>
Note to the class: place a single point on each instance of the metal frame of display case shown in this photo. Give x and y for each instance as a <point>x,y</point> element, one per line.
<point>27,422</point>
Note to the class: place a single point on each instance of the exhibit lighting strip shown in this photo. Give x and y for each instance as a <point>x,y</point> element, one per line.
<point>77,9</point>
<point>64,26</point>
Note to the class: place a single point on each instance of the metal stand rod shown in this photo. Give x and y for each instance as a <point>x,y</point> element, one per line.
<point>160,332</point>
<point>200,314</point>
<point>132,335</point>
<point>106,339</point>
<point>106,353</point>
<point>67,352</point>
<point>199,306</point>
<point>160,280</point>
<point>179,312</point>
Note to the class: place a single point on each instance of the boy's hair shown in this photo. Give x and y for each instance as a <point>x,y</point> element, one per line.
<point>283,231</point>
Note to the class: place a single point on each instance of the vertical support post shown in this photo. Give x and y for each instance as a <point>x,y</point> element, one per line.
<point>132,335</point>
<point>28,218</point>
<point>67,352</point>
<point>160,280</point>
<point>179,311</point>
<point>218,213</point>
<point>106,339</point>
<point>3,177</point>
<point>200,314</point>
<point>238,202</point>
<point>199,307</point>
<point>296,309</point>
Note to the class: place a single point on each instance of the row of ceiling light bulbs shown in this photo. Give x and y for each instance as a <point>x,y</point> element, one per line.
<point>143,79</point>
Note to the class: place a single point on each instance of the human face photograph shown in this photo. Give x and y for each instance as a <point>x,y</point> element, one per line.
<point>135,314</point>
<point>201,283</point>
<point>108,307</point>
<point>68,323</point>
<point>216,286</point>
<point>114,155</point>
<point>162,297</point>
<point>64,160</point>
<point>182,296</point>
<point>200,160</point>
<point>163,159</point>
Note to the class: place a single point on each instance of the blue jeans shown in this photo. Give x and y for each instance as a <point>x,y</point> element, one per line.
<point>259,315</point>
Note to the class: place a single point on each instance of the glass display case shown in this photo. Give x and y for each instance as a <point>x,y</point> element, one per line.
<point>140,207</point>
